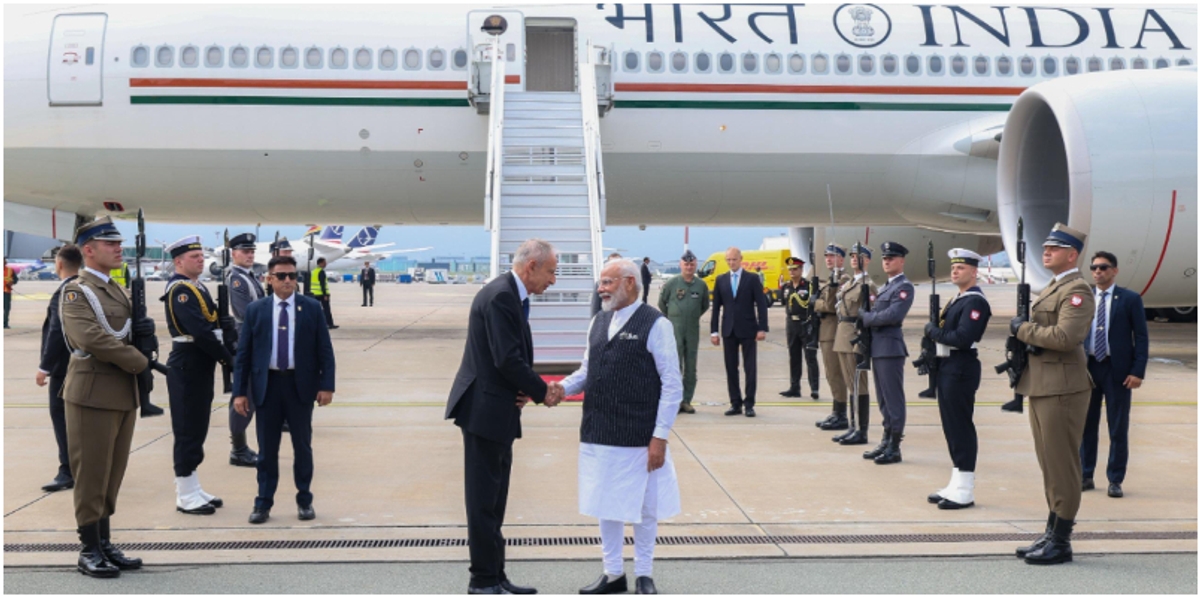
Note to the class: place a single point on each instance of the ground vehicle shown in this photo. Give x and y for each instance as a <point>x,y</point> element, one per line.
<point>772,263</point>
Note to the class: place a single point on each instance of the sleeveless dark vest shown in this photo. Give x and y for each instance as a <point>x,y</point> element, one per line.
<point>620,406</point>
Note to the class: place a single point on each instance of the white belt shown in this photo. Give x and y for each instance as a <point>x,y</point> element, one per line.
<point>183,339</point>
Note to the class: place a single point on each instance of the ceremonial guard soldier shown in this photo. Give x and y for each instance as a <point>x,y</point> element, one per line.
<point>849,305</point>
<point>796,297</point>
<point>888,351</point>
<point>835,257</point>
<point>960,327</point>
<point>683,299</point>
<point>1059,387</point>
<point>243,290</point>
<point>198,344</point>
<point>100,392</point>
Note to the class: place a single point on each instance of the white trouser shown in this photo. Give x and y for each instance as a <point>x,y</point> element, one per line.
<point>612,537</point>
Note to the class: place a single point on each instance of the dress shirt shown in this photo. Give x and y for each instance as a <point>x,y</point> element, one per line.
<point>102,276</point>
<point>1091,348</point>
<point>1065,274</point>
<point>521,292</point>
<point>292,317</point>
<point>661,344</point>
<point>734,278</point>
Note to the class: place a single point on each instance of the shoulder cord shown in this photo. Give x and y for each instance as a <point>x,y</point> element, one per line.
<point>211,317</point>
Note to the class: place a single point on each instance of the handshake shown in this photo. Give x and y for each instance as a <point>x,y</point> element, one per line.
<point>554,395</point>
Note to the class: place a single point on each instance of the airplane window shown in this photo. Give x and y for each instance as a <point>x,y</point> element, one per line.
<point>263,57</point>
<point>708,268</point>
<point>866,64</point>
<point>164,56</point>
<point>725,62</point>
<point>1094,65</point>
<point>654,62</point>
<point>1071,65</point>
<point>749,63</point>
<point>1139,63</point>
<point>843,64</point>
<point>889,64</point>
<point>387,58</point>
<point>459,62</point>
<point>958,65</point>
<point>140,57</point>
<point>820,64</point>
<point>773,63</point>
<point>337,58</point>
<point>678,62</point>
<point>362,58</point>
<point>1116,64</point>
<point>796,63</point>
<point>1183,62</point>
<point>214,56</point>
<point>703,62</point>
<point>288,57</point>
<point>437,59</point>
<point>912,65</point>
<point>1004,65</point>
<point>190,56</point>
<point>1027,66</point>
<point>412,59</point>
<point>239,57</point>
<point>935,65</point>
<point>632,60</point>
<point>981,66</point>
<point>1162,63</point>
<point>1049,66</point>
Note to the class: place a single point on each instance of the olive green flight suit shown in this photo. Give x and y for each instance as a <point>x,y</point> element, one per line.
<point>683,303</point>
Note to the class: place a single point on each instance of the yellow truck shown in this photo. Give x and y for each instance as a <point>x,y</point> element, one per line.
<point>772,264</point>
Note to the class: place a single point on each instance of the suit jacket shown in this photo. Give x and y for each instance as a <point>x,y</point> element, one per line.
<point>646,277</point>
<point>886,317</point>
<point>312,354</point>
<point>745,315</point>
<point>1060,320</point>
<point>497,363</point>
<point>106,379</point>
<point>1128,338</point>
<point>366,277</point>
<point>55,354</point>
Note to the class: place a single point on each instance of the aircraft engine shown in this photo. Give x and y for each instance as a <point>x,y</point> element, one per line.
<point>1114,155</point>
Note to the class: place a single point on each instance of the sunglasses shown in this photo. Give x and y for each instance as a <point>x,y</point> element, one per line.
<point>1101,267</point>
<point>286,275</point>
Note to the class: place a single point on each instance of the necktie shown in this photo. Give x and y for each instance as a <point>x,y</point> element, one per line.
<point>525,308</point>
<point>281,340</point>
<point>1101,340</point>
<point>734,285</point>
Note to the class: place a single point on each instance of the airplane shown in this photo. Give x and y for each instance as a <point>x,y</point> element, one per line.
<point>365,249</point>
<point>931,118</point>
<point>20,266</point>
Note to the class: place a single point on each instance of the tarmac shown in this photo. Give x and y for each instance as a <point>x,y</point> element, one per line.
<point>759,492</point>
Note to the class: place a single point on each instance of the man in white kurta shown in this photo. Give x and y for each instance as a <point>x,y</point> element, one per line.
<point>632,397</point>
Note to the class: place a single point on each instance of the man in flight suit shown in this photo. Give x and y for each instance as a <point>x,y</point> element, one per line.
<point>684,298</point>
<point>796,296</point>
<point>243,290</point>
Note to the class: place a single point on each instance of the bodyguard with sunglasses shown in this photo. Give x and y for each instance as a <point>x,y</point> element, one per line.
<point>284,364</point>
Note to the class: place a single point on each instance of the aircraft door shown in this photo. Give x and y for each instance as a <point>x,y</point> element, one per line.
<point>75,72</point>
<point>512,42</point>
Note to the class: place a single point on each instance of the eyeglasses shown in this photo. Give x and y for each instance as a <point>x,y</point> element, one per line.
<point>1101,267</point>
<point>611,281</point>
<point>286,275</point>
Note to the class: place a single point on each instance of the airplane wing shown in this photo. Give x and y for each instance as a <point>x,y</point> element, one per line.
<point>396,251</point>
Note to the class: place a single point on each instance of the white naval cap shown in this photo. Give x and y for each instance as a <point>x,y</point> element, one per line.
<point>184,245</point>
<point>966,256</point>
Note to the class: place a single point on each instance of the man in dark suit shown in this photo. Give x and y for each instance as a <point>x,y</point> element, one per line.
<point>740,293</point>
<point>1117,348</point>
<point>53,366</point>
<point>496,379</point>
<point>366,279</point>
<point>646,278</point>
<point>284,363</point>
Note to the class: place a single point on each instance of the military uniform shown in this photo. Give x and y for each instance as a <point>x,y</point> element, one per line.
<point>826,308</point>
<point>1059,390</point>
<point>243,290</point>
<point>197,346</point>
<point>101,399</point>
<point>796,298</point>
<point>683,303</point>
<point>960,327</point>
<point>888,354</point>
<point>848,307</point>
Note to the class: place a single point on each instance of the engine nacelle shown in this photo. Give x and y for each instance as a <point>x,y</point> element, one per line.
<point>1113,155</point>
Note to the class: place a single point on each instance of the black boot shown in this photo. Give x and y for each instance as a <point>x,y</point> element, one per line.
<point>859,436</point>
<point>111,553</point>
<point>1016,405</point>
<point>241,454</point>
<point>1058,548</point>
<point>1040,541</point>
<point>836,420</point>
<point>930,393</point>
<point>148,409</point>
<point>792,392</point>
<point>91,558</point>
<point>891,453</point>
<point>871,454</point>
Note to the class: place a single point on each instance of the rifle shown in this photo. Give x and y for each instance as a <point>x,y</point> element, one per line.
<point>1016,352</point>
<point>147,345</point>
<point>814,289</point>
<point>927,363</point>
<point>228,334</point>
<point>862,341</point>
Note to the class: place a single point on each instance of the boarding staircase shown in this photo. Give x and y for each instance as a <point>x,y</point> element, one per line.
<point>545,179</point>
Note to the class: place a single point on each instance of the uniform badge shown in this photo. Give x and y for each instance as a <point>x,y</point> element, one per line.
<point>872,298</point>
<point>1076,300</point>
<point>903,295</point>
<point>237,283</point>
<point>71,296</point>
<point>679,294</point>
<point>975,315</point>
<point>183,298</point>
<point>695,294</point>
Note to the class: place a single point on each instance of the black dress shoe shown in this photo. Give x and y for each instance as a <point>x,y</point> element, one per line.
<point>603,587</point>
<point>306,512</point>
<point>815,395</point>
<point>788,393</point>
<point>891,454</point>
<point>110,551</point>
<point>1114,490</point>
<point>204,510</point>
<point>934,498</point>
<point>857,438</point>
<point>150,410</point>
<point>750,412</point>
<point>216,502</point>
<point>243,456</point>
<point>260,515</point>
<point>493,590</point>
<point>334,327</point>
<point>827,420</point>
<point>837,439</point>
<point>61,481</point>
<point>1088,485</point>
<point>517,589</point>
<point>645,586</point>
<point>872,454</point>
<point>838,423</point>
<point>736,410</point>
<point>951,505</point>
